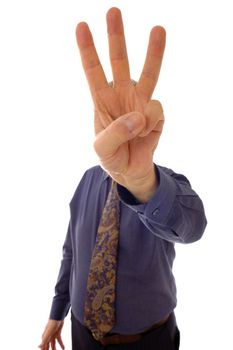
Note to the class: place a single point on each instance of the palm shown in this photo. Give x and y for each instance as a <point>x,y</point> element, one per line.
<point>111,102</point>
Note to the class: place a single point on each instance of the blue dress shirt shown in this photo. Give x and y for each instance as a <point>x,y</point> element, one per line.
<point>146,289</point>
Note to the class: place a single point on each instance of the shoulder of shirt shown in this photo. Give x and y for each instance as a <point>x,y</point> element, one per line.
<point>165,169</point>
<point>91,178</point>
<point>96,171</point>
<point>176,176</point>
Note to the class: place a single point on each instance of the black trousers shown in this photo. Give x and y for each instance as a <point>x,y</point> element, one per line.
<point>166,337</point>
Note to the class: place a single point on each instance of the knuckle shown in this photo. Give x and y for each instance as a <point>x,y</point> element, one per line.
<point>149,74</point>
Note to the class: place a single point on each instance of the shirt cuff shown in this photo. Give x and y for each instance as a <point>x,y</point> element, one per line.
<point>159,206</point>
<point>59,310</point>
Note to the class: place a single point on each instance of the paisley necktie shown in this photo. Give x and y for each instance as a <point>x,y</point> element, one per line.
<point>99,310</point>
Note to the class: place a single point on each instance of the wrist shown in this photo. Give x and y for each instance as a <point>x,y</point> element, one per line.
<point>144,188</point>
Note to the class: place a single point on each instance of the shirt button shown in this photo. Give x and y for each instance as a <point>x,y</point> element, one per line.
<point>155,212</point>
<point>139,212</point>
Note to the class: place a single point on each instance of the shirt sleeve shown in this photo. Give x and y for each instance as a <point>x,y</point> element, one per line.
<point>61,301</point>
<point>174,213</point>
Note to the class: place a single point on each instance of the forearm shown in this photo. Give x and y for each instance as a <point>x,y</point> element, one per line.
<point>174,213</point>
<point>61,301</point>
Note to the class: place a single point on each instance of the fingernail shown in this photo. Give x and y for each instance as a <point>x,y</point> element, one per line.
<point>133,121</point>
<point>158,33</point>
<point>84,36</point>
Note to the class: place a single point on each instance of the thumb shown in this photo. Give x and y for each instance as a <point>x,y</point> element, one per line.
<point>123,129</point>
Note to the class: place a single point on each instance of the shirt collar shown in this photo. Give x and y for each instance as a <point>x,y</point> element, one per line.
<point>105,175</point>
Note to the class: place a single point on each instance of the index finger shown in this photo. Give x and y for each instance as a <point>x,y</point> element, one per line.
<point>153,62</point>
<point>90,60</point>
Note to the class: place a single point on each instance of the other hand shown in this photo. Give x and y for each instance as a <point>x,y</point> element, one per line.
<point>52,335</point>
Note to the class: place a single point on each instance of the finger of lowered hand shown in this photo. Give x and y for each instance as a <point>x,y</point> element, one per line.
<point>59,339</point>
<point>53,344</point>
<point>45,343</point>
<point>90,60</point>
<point>117,133</point>
<point>44,346</point>
<point>153,62</point>
<point>117,47</point>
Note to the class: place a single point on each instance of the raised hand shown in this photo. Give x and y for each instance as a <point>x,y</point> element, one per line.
<point>127,122</point>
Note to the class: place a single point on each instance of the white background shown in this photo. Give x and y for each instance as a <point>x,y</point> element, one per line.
<point>46,137</point>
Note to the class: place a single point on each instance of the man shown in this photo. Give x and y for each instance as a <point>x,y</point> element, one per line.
<point>126,216</point>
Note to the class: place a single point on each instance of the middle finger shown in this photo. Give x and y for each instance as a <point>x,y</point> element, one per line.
<point>117,47</point>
